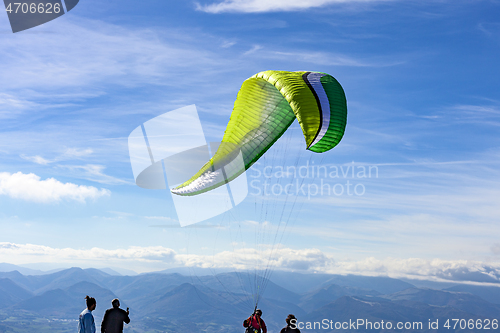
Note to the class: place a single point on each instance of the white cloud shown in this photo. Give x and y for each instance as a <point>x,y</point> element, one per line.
<point>12,106</point>
<point>92,54</point>
<point>77,152</point>
<point>303,260</point>
<point>315,261</point>
<point>228,43</point>
<point>73,255</point>
<point>490,29</point>
<point>258,6</point>
<point>254,49</point>
<point>244,258</point>
<point>428,269</point>
<point>250,258</point>
<point>82,59</point>
<point>36,159</point>
<point>477,109</point>
<point>486,115</point>
<point>30,187</point>
<point>321,58</point>
<point>69,153</point>
<point>161,218</point>
<point>95,173</point>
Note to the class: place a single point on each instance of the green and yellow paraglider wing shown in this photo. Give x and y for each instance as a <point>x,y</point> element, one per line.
<point>266,105</point>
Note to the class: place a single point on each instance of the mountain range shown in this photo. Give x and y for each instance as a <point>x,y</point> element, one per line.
<point>172,302</point>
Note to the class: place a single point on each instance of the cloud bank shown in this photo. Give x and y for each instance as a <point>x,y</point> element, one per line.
<point>260,6</point>
<point>30,187</point>
<point>152,258</point>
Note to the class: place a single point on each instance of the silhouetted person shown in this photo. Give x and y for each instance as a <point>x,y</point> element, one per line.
<point>114,318</point>
<point>86,322</point>
<point>254,323</point>
<point>291,325</point>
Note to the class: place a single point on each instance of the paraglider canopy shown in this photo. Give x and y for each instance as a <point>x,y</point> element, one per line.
<point>266,105</point>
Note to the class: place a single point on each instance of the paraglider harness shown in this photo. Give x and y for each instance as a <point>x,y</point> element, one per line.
<point>248,324</point>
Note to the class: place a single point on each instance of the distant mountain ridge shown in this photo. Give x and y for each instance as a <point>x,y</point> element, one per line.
<point>6,267</point>
<point>173,302</point>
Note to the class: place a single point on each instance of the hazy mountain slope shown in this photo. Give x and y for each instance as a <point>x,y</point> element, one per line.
<point>488,293</point>
<point>66,278</point>
<point>383,285</point>
<point>18,278</point>
<point>4,267</point>
<point>68,302</point>
<point>348,308</point>
<point>11,293</point>
<point>323,296</point>
<point>244,283</point>
<point>172,303</point>
<point>132,287</point>
<point>458,300</point>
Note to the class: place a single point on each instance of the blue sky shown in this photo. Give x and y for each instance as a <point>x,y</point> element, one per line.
<point>421,80</point>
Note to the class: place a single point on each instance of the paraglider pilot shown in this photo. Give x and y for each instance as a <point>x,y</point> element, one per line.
<point>254,323</point>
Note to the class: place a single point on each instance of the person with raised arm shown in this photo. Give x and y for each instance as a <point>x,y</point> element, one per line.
<point>254,323</point>
<point>114,318</point>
